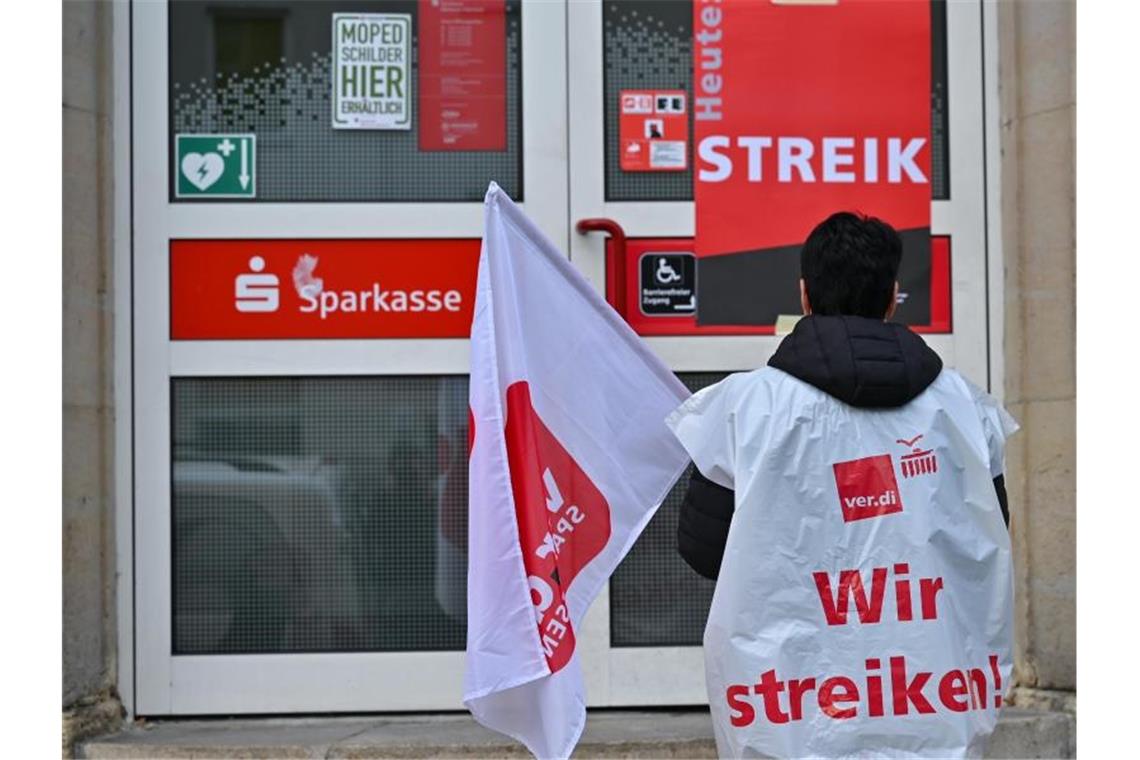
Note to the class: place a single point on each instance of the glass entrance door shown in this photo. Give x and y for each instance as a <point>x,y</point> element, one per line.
<point>307,207</point>
<point>652,619</point>
<point>306,189</point>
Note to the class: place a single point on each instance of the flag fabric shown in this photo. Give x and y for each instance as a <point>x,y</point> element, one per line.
<point>864,605</point>
<point>570,458</point>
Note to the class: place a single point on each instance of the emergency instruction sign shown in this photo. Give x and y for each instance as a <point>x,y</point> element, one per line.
<point>371,73</point>
<point>653,129</point>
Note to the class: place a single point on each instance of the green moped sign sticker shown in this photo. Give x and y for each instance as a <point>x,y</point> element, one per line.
<point>215,166</point>
<point>371,86</point>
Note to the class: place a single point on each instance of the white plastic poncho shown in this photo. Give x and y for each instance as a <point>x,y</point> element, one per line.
<point>864,604</point>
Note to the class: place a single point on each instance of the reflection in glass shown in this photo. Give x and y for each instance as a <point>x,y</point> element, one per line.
<point>656,599</point>
<point>329,514</point>
<point>319,514</point>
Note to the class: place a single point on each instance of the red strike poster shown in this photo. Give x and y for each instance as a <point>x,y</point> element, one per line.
<point>801,110</point>
<point>463,75</point>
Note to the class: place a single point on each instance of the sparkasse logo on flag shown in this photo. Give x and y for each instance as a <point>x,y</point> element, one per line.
<point>557,541</point>
<point>570,458</point>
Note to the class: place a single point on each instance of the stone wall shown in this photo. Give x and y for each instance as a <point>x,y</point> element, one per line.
<point>89,695</point>
<point>1037,42</point>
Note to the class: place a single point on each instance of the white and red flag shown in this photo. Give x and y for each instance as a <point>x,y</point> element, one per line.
<point>570,458</point>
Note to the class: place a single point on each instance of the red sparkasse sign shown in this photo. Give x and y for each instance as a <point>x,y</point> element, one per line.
<point>801,111</point>
<point>303,289</point>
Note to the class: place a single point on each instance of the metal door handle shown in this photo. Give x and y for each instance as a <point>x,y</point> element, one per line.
<point>615,258</point>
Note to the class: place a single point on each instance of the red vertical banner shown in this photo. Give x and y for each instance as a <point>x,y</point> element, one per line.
<point>463,75</point>
<point>801,110</point>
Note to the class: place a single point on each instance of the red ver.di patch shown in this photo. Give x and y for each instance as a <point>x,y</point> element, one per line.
<point>867,488</point>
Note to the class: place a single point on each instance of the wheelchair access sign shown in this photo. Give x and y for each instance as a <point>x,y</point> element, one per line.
<point>668,284</point>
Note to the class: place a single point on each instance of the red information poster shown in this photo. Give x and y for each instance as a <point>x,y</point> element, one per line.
<point>801,110</point>
<point>653,128</point>
<point>304,289</point>
<point>463,75</point>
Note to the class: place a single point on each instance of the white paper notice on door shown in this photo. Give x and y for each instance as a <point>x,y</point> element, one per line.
<point>371,80</point>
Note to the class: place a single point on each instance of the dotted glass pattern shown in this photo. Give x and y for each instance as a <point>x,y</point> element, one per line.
<point>939,104</point>
<point>657,600</point>
<point>216,87</point>
<point>319,514</point>
<point>648,44</point>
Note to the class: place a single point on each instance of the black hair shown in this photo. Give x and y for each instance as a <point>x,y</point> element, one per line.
<point>849,264</point>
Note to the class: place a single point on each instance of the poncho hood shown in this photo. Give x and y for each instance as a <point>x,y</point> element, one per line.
<point>859,361</point>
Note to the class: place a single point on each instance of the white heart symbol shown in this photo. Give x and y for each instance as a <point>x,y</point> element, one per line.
<point>202,170</point>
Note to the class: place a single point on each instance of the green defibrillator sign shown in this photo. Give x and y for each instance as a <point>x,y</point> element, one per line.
<point>215,166</point>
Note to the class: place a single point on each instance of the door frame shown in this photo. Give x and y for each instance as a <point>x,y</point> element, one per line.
<point>964,215</point>
<point>674,675</point>
<point>165,684</point>
<point>547,148</point>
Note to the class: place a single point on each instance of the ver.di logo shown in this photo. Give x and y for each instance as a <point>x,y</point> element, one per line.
<point>867,487</point>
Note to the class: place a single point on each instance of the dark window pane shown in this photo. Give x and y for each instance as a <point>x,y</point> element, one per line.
<point>244,66</point>
<point>655,598</point>
<point>319,514</point>
<point>243,44</point>
<point>647,45</point>
<point>330,515</point>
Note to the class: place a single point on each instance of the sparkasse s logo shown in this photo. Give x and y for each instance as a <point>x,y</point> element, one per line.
<point>256,291</point>
<point>867,487</point>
